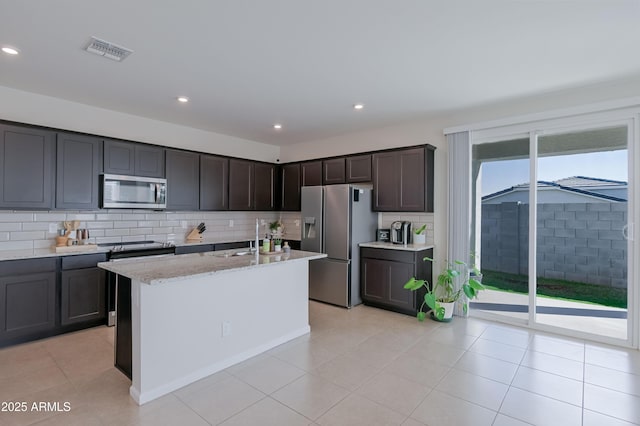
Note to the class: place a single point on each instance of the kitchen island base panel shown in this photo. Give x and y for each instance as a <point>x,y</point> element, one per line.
<point>177,327</point>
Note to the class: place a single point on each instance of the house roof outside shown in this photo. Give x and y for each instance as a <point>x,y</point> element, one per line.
<point>588,187</point>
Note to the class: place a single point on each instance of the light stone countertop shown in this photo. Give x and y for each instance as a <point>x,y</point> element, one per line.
<point>51,251</point>
<point>160,270</point>
<point>391,246</point>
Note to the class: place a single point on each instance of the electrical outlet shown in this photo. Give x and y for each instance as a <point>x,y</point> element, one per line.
<point>231,223</point>
<point>226,328</point>
<point>53,228</point>
<point>263,222</point>
<point>297,223</point>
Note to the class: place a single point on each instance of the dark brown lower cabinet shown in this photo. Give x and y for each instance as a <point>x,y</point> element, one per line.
<point>27,300</point>
<point>82,296</point>
<point>383,273</point>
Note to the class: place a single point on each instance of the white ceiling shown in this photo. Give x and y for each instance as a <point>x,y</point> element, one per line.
<point>247,64</point>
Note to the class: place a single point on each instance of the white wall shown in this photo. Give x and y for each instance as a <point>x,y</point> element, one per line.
<point>31,108</point>
<point>430,130</point>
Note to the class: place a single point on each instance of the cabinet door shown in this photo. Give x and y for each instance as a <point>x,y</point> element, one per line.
<point>214,182</point>
<point>290,200</point>
<point>78,171</point>
<point>264,184</point>
<point>358,168</point>
<point>385,181</point>
<point>241,189</point>
<point>374,280</point>
<point>27,164</point>
<point>83,296</point>
<point>28,304</point>
<point>149,160</point>
<point>311,173</point>
<point>412,180</point>
<point>333,171</point>
<point>397,296</point>
<point>200,248</point>
<point>119,157</point>
<point>183,180</point>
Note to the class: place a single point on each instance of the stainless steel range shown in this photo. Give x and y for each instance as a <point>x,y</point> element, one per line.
<point>128,250</point>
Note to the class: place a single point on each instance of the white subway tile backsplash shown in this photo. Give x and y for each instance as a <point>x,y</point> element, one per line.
<point>16,217</point>
<point>27,235</point>
<point>99,225</point>
<point>125,224</point>
<point>116,232</point>
<point>133,216</point>
<point>81,216</point>
<point>109,216</point>
<point>10,226</point>
<point>20,230</point>
<point>16,245</point>
<point>141,231</point>
<point>50,217</point>
<point>36,226</point>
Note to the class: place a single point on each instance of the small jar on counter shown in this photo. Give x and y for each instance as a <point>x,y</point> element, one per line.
<point>286,248</point>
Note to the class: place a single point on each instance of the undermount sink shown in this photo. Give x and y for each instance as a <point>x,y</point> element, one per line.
<point>242,253</point>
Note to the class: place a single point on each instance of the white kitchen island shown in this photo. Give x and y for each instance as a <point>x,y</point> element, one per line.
<point>195,314</point>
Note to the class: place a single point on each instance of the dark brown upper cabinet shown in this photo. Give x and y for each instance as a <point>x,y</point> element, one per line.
<point>149,161</point>
<point>241,181</point>
<point>251,185</point>
<point>27,167</point>
<point>403,180</point>
<point>333,171</point>
<point>79,164</point>
<point>214,182</point>
<point>358,168</point>
<point>183,180</point>
<point>135,159</point>
<point>311,173</point>
<point>264,185</point>
<point>290,190</point>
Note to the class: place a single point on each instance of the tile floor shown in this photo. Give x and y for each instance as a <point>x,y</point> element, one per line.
<point>357,367</point>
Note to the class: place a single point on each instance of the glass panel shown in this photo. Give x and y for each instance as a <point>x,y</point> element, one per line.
<point>500,176</point>
<point>581,257</point>
<point>128,191</point>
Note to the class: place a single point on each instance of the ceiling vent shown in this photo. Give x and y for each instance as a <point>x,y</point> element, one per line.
<point>108,50</point>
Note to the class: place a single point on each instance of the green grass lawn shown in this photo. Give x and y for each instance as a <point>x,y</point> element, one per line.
<point>559,289</point>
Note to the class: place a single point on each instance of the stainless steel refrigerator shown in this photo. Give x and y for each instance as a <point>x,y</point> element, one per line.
<point>336,219</point>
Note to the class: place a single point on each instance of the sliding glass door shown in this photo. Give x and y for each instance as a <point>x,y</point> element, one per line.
<point>581,254</point>
<point>550,220</point>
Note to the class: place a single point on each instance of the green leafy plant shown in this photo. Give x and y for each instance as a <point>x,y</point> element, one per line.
<point>444,290</point>
<point>273,226</point>
<point>277,241</point>
<point>420,230</point>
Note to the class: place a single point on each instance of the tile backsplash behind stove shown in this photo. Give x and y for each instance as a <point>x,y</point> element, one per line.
<point>31,230</point>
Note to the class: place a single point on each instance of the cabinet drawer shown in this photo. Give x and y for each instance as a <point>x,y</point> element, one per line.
<point>27,266</point>
<point>83,261</point>
<point>388,254</point>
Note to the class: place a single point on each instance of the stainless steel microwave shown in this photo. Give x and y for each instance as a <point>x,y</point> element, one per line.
<point>133,192</point>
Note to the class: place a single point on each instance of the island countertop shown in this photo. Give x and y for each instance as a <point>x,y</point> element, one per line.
<point>159,270</point>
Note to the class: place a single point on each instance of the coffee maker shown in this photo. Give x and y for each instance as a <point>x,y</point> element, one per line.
<point>401,232</point>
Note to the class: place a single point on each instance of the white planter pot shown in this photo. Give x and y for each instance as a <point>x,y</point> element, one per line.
<point>448,309</point>
<point>419,239</point>
<point>277,247</point>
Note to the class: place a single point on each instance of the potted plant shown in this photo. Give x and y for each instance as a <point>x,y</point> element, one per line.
<point>419,236</point>
<point>277,244</point>
<point>442,296</point>
<point>275,228</point>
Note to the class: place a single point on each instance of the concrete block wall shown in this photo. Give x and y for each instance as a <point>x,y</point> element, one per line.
<point>581,242</point>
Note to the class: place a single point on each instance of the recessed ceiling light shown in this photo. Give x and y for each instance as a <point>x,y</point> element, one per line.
<point>10,50</point>
<point>277,126</point>
<point>358,106</point>
<point>183,99</point>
